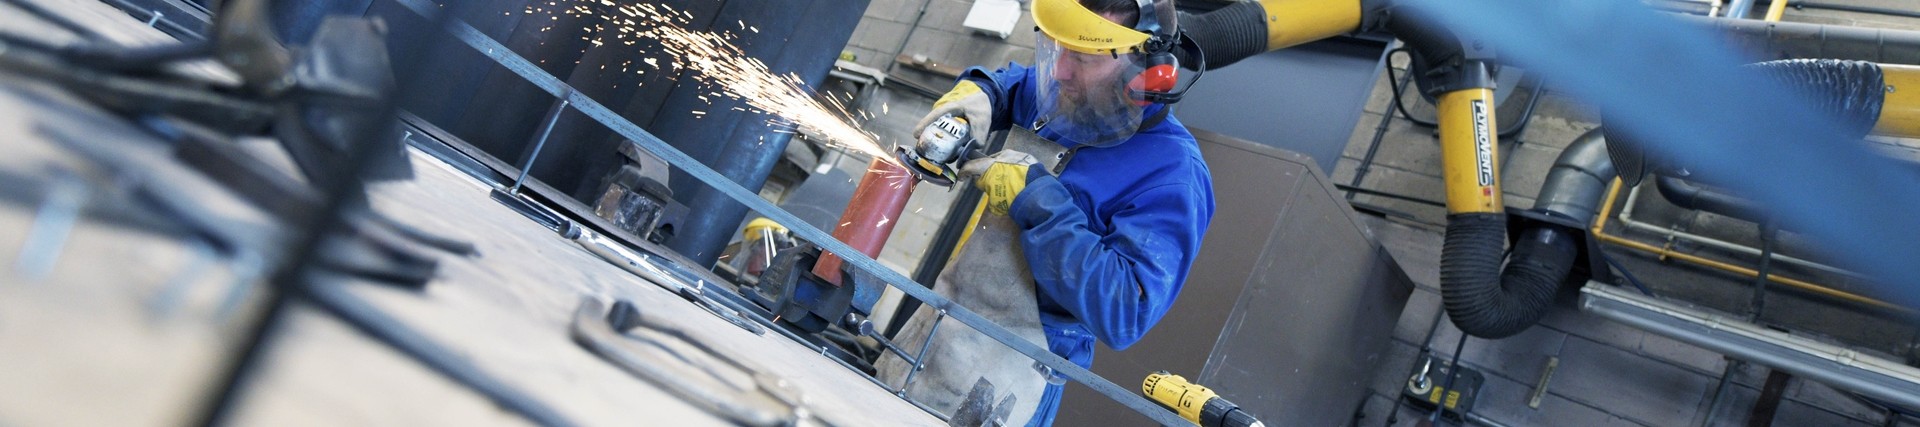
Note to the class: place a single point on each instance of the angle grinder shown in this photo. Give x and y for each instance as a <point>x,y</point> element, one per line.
<point>940,148</point>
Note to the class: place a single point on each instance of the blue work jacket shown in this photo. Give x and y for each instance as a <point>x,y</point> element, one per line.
<point>1110,238</point>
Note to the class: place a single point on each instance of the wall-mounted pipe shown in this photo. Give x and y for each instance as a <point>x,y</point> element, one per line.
<point>1671,233</point>
<point>1599,231</point>
<point>1687,194</point>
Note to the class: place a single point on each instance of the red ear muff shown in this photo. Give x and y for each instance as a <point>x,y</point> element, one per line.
<point>1158,77</point>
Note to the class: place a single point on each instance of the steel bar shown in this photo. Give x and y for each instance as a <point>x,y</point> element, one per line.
<point>1846,369</point>
<point>553,116</point>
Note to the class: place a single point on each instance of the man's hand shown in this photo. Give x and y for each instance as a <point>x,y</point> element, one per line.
<point>965,100</point>
<point>1001,176</point>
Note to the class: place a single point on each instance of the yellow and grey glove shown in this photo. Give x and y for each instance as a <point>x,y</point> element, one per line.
<point>1001,177</point>
<point>965,100</point>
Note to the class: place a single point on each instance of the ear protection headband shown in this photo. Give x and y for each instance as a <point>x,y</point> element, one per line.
<point>1158,71</point>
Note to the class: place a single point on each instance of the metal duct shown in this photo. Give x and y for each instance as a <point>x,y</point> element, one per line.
<point>1578,179</point>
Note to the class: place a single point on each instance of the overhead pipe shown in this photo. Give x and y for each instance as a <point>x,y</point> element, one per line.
<point>1598,230</point>
<point>1584,175</point>
<point>1776,40</point>
<point>1670,234</point>
<point>1776,9</point>
<point>1798,4</point>
<point>1689,195</point>
<point>1738,9</point>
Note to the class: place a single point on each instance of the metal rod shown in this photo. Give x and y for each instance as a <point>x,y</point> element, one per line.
<point>1776,9</point>
<point>1713,403</point>
<point>1453,371</point>
<point>163,304</point>
<point>1379,132</point>
<point>1768,404</point>
<point>1540,388</point>
<point>1352,189</point>
<point>52,224</point>
<point>364,317</point>
<point>246,269</point>
<point>1767,240</point>
<point>919,361</point>
<point>891,348</point>
<point>253,347</point>
<point>1738,9</point>
<point>553,116</point>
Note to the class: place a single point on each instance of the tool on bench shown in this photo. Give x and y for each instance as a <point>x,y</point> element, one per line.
<point>670,358</point>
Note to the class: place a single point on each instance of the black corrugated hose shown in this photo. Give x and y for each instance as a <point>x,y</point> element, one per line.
<point>1849,90</point>
<point>1227,35</point>
<point>1488,301</point>
<point>1852,91</point>
<point>1485,301</point>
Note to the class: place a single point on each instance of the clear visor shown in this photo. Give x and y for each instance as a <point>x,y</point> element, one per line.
<point>1082,97</point>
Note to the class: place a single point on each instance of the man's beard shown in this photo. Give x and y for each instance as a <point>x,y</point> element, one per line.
<point>1097,114</point>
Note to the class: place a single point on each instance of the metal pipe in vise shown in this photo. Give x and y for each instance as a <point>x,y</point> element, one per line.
<point>870,217</point>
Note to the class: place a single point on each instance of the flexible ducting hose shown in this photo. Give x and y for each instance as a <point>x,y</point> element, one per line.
<point>1852,91</point>
<point>1227,34</point>
<point>1485,301</point>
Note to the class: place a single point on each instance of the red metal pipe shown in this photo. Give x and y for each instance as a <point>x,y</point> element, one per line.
<point>870,216</point>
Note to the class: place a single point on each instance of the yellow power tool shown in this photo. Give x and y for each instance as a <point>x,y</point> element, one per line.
<point>1194,402</point>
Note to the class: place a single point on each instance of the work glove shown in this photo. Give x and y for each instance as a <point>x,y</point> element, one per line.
<point>1001,177</point>
<point>965,100</point>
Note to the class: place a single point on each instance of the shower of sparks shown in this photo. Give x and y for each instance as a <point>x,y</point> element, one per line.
<point>723,67</point>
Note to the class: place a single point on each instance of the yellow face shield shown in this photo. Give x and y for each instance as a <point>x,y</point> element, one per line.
<point>1081,30</point>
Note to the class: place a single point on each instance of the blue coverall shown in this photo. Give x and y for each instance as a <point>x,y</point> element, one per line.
<point>1110,240</point>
